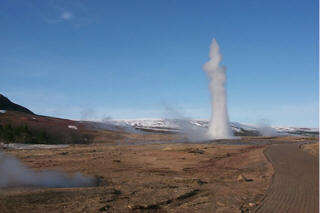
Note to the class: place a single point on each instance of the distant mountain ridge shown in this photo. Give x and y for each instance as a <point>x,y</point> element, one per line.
<point>239,129</point>
<point>148,125</point>
<point>6,104</point>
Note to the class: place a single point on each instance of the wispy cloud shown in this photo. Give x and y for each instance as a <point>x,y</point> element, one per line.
<point>61,16</point>
<point>75,13</point>
<point>66,15</point>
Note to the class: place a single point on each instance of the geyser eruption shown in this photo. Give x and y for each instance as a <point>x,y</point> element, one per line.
<point>219,127</point>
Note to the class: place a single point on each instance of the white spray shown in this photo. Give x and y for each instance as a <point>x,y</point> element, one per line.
<point>219,127</point>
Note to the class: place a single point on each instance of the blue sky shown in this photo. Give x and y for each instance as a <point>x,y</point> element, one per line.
<point>134,58</point>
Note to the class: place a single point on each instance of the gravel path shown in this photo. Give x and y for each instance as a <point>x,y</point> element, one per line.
<point>295,185</point>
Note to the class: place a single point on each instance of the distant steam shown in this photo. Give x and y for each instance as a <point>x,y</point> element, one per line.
<point>185,125</point>
<point>265,128</point>
<point>117,125</point>
<point>219,127</point>
<point>13,173</point>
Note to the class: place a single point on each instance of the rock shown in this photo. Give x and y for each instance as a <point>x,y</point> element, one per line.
<point>64,153</point>
<point>196,151</point>
<point>243,178</point>
<point>220,203</point>
<point>167,148</point>
<point>105,208</point>
<point>201,182</point>
<point>252,204</point>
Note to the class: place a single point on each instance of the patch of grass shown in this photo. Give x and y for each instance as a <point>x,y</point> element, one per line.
<point>312,148</point>
<point>24,134</point>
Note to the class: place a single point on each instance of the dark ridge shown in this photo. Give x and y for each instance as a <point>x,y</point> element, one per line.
<point>6,104</point>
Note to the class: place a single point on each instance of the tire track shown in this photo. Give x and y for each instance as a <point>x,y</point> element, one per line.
<point>295,185</point>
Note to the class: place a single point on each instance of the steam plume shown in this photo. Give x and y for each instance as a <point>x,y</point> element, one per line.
<point>265,128</point>
<point>185,125</point>
<point>13,173</point>
<point>219,127</point>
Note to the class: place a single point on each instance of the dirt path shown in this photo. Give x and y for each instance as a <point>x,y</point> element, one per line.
<point>295,186</point>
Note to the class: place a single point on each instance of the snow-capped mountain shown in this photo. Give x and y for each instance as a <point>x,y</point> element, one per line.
<point>178,125</point>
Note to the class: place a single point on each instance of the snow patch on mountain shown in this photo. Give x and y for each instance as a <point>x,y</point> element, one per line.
<point>174,125</point>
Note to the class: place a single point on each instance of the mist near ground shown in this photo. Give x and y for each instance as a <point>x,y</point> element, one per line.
<point>187,129</point>
<point>13,173</point>
<point>117,125</point>
<point>265,128</point>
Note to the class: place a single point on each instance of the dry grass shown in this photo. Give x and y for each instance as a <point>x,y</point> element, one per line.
<point>312,148</point>
<point>146,178</point>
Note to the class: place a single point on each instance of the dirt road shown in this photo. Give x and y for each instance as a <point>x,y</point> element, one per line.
<point>295,186</point>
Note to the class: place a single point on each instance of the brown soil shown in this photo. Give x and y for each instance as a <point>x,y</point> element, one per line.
<point>146,178</point>
<point>295,185</point>
<point>312,148</point>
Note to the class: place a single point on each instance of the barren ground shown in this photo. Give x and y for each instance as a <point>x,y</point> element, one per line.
<point>151,178</point>
<point>156,177</point>
<point>312,148</point>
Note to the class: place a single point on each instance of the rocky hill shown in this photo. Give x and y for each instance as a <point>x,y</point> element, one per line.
<point>20,125</point>
<point>6,104</point>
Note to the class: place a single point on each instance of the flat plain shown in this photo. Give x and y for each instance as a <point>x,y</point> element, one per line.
<point>172,177</point>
